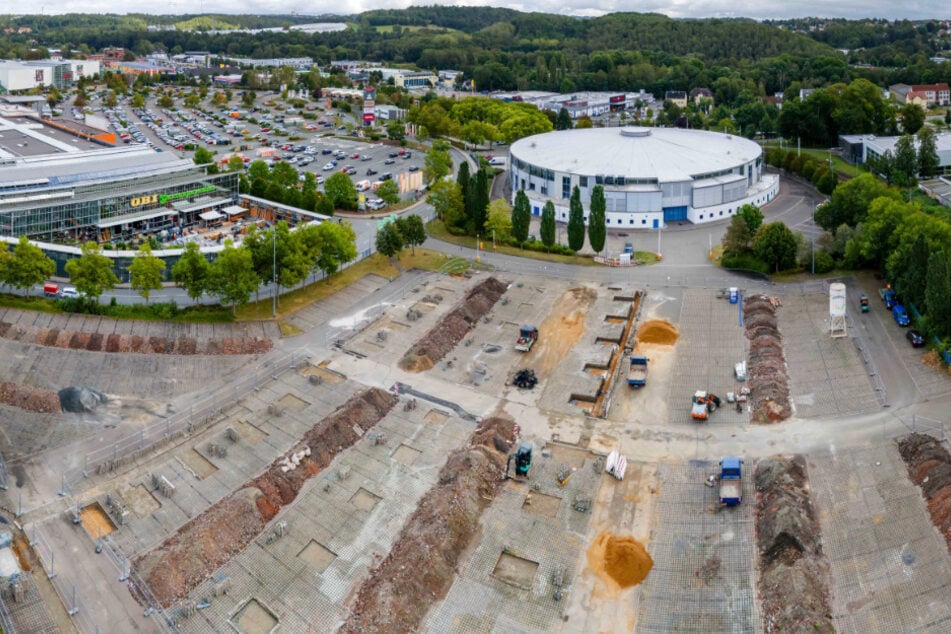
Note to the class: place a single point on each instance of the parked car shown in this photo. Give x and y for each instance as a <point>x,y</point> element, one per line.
<point>414,168</point>
<point>389,161</point>
<point>371,172</point>
<point>365,158</point>
<point>915,338</point>
<point>329,166</point>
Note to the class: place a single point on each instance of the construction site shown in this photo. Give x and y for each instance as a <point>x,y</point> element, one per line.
<point>488,452</point>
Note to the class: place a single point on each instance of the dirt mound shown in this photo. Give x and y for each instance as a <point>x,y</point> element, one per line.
<point>929,466</point>
<point>96,342</point>
<point>657,331</point>
<point>766,369</point>
<point>791,560</point>
<point>420,567</point>
<point>32,399</point>
<point>454,326</point>
<point>211,539</point>
<point>622,562</point>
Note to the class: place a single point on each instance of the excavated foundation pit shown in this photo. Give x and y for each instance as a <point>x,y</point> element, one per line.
<point>515,570</point>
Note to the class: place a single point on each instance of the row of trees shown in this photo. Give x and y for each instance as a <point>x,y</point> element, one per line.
<point>402,232</point>
<point>278,254</point>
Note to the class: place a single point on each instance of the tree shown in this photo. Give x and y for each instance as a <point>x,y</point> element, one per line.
<point>736,239</point>
<point>478,203</point>
<point>776,245</point>
<point>28,266</point>
<point>597,228</point>
<point>341,192</point>
<point>850,202</point>
<point>547,229</point>
<point>438,161</point>
<point>146,272</point>
<point>563,122</point>
<point>905,166</point>
<point>389,191</point>
<point>389,242</point>
<point>928,161</point>
<point>236,164</point>
<point>752,216</point>
<point>498,221</point>
<point>412,230</point>
<point>191,271</point>
<point>912,118</point>
<point>938,292</point>
<point>138,100</point>
<point>92,273</point>
<point>910,283</point>
<point>521,217</point>
<point>232,278</point>
<point>575,221</point>
<point>584,122</point>
<point>395,130</point>
<point>446,199</point>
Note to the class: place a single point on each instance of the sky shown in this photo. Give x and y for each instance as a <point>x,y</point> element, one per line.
<point>758,9</point>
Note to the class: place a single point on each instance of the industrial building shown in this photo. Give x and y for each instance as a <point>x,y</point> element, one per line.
<point>61,74</point>
<point>650,176</point>
<point>858,148</point>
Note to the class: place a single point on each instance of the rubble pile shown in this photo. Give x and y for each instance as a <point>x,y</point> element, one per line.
<point>420,567</point>
<point>766,369</point>
<point>180,563</point>
<point>454,326</point>
<point>525,379</point>
<point>29,398</point>
<point>97,342</point>
<point>791,560</point>
<point>929,466</point>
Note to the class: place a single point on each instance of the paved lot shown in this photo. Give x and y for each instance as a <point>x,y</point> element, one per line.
<point>827,377</point>
<point>506,585</point>
<point>891,571</point>
<point>703,576</point>
<point>711,343</point>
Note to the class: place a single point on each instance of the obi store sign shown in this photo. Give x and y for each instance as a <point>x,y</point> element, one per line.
<point>151,199</point>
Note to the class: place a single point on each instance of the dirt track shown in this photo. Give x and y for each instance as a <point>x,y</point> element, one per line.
<point>420,567</point>
<point>208,541</point>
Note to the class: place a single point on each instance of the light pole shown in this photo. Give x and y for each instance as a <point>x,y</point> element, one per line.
<point>274,270</point>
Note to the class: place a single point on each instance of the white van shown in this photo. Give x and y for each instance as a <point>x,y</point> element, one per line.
<point>69,292</point>
<point>497,161</point>
<point>362,186</point>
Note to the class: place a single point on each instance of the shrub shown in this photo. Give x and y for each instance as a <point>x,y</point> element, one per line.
<point>744,262</point>
<point>824,262</point>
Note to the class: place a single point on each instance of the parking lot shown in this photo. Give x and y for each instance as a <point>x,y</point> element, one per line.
<point>269,131</point>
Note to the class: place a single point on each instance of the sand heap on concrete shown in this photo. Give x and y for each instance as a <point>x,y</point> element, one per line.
<point>32,399</point>
<point>657,331</point>
<point>929,466</point>
<point>794,573</point>
<point>211,539</point>
<point>621,562</point>
<point>454,326</point>
<point>766,370</point>
<point>420,567</point>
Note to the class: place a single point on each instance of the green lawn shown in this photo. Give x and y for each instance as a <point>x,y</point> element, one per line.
<point>437,229</point>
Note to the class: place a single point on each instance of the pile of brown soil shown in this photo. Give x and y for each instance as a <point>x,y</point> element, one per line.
<point>32,399</point>
<point>794,573</point>
<point>929,466</point>
<point>176,566</point>
<point>657,331</point>
<point>454,326</point>
<point>766,370</point>
<point>621,562</point>
<point>420,567</point>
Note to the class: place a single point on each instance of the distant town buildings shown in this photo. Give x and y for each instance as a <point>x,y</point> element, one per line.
<point>925,95</point>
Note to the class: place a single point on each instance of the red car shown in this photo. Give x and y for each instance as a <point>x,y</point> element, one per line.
<point>355,156</point>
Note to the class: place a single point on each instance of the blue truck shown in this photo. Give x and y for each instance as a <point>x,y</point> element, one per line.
<point>731,481</point>
<point>637,373</point>
<point>900,315</point>
<point>888,297</point>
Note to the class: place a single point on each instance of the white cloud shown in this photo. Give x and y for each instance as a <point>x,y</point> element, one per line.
<point>759,9</point>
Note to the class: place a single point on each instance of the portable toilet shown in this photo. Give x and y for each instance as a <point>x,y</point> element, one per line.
<point>734,295</point>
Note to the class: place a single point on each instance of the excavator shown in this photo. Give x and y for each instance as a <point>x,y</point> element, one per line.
<point>704,403</point>
<point>522,457</point>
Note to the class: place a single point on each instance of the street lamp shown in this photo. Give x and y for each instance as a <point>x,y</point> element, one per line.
<point>274,270</point>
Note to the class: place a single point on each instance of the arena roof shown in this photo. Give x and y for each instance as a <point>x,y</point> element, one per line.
<point>665,154</point>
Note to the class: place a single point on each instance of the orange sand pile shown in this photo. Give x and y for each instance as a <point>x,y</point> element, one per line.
<point>620,561</point>
<point>658,331</point>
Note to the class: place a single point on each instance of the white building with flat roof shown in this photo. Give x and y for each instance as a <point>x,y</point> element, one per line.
<point>650,176</point>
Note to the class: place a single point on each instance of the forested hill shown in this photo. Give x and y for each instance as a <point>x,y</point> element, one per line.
<point>505,29</point>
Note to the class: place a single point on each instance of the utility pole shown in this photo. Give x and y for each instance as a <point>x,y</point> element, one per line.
<point>274,270</point>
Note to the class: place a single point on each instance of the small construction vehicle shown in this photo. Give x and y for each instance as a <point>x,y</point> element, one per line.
<point>731,481</point>
<point>637,373</point>
<point>863,302</point>
<point>704,404</point>
<point>522,457</point>
<point>527,336</point>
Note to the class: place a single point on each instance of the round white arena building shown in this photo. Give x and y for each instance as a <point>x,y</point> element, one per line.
<point>651,176</point>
